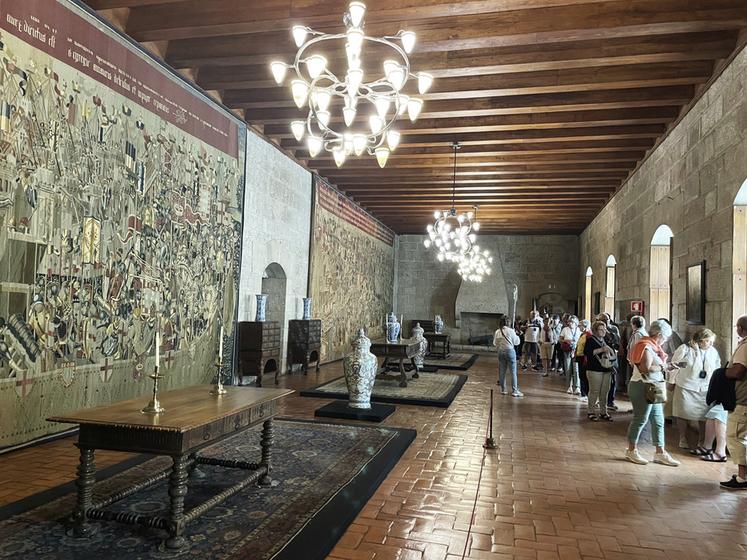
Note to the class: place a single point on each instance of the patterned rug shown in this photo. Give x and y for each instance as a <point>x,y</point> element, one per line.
<point>430,389</point>
<point>455,361</point>
<point>324,474</point>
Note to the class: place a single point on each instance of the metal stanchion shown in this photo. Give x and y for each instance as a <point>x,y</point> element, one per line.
<point>489,441</point>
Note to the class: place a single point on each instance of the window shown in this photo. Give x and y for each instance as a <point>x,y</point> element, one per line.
<point>739,259</point>
<point>587,295</point>
<point>660,282</point>
<point>609,290</point>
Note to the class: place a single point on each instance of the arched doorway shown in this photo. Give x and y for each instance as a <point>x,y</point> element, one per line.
<point>609,289</point>
<point>274,284</point>
<point>660,271</point>
<point>739,258</point>
<point>587,294</point>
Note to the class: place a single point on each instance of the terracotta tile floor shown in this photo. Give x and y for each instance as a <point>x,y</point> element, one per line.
<point>556,487</point>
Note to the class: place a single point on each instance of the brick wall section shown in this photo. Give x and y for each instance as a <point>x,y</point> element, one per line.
<point>340,205</point>
<point>689,183</point>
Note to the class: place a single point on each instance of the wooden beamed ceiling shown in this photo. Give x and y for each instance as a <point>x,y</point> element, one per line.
<point>555,102</point>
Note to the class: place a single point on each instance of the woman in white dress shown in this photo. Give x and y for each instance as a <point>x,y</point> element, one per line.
<point>696,361</point>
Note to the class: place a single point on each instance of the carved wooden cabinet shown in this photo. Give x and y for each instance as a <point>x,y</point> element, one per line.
<point>304,343</point>
<point>258,346</point>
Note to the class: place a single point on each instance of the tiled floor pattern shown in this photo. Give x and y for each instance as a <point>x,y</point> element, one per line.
<point>556,487</point>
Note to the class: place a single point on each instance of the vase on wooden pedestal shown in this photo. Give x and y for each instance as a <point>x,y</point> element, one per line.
<point>392,328</point>
<point>261,307</point>
<point>417,334</point>
<point>438,325</point>
<point>360,372</point>
<point>306,309</point>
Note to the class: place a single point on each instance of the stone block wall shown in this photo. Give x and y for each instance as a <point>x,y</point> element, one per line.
<point>688,183</point>
<point>277,227</point>
<point>542,266</point>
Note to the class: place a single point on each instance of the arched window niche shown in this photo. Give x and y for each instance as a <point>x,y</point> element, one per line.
<point>660,274</point>
<point>587,294</point>
<point>739,258</point>
<point>609,288</point>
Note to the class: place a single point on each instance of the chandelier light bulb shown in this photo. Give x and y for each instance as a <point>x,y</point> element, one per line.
<point>356,10</point>
<point>279,70</point>
<point>359,143</point>
<point>376,124</point>
<point>408,40</point>
<point>316,64</point>
<point>315,145</point>
<point>427,243</point>
<point>298,128</point>
<point>300,91</point>
<point>437,214</point>
<point>299,34</point>
<point>414,105</point>
<point>429,228</point>
<point>397,77</point>
<point>402,104</point>
<point>382,155</point>
<point>470,215</point>
<point>425,81</point>
<point>490,260</point>
<point>392,139</point>
<point>354,79</point>
<point>476,226</point>
<point>323,117</point>
<point>472,237</point>
<point>348,115</point>
<point>382,106</point>
<point>339,154</point>
<point>321,98</point>
<point>460,218</point>
<point>347,143</point>
<point>355,39</point>
<point>440,257</point>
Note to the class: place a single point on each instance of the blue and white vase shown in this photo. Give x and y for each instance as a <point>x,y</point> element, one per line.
<point>360,372</point>
<point>261,307</point>
<point>438,325</point>
<point>392,328</point>
<point>306,309</point>
<point>417,334</point>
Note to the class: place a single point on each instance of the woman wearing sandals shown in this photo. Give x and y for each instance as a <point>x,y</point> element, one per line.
<point>599,371</point>
<point>695,361</point>
<point>649,363</point>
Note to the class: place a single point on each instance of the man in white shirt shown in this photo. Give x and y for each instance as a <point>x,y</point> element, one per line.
<point>531,341</point>
<point>736,426</point>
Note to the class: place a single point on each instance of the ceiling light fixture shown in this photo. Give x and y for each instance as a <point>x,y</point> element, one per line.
<point>315,86</point>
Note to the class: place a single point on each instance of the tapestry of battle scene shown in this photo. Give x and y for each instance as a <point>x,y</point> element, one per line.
<point>352,275</point>
<point>115,222</point>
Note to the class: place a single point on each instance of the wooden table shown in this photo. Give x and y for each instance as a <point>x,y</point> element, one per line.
<point>442,339</point>
<point>403,349</point>
<point>193,419</point>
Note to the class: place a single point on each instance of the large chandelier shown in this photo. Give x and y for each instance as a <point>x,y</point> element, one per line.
<point>369,107</point>
<point>453,237</point>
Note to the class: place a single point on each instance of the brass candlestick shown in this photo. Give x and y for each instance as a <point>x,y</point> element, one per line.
<point>218,388</point>
<point>154,406</point>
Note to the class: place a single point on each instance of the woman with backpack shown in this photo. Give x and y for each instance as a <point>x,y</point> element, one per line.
<point>600,359</point>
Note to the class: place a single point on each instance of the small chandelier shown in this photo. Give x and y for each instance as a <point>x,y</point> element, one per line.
<point>453,236</point>
<point>316,86</point>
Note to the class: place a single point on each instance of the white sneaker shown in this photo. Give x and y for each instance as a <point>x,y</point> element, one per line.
<point>570,390</point>
<point>504,392</point>
<point>665,458</point>
<point>635,457</point>
<point>577,392</point>
<point>545,374</point>
<point>517,394</point>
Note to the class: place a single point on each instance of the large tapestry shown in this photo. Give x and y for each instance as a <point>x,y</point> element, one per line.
<point>352,271</point>
<point>120,213</point>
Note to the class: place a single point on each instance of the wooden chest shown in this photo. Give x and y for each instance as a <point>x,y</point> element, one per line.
<point>258,346</point>
<point>304,343</point>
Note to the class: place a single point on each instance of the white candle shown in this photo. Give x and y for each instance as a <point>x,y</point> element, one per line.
<point>220,348</point>
<point>158,349</point>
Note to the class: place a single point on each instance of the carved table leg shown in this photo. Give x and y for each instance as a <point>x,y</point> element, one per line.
<point>177,491</point>
<point>266,441</point>
<point>260,371</point>
<point>402,375</point>
<point>86,478</point>
<point>415,375</point>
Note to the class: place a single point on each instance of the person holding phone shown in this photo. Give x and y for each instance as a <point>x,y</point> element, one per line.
<point>694,363</point>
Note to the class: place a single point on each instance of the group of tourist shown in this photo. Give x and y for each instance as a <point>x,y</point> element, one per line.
<point>662,376</point>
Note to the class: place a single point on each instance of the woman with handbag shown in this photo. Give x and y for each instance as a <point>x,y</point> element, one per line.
<point>696,361</point>
<point>647,391</point>
<point>600,359</point>
<point>505,341</point>
<point>568,340</point>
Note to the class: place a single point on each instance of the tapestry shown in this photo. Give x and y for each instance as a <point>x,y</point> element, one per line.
<point>352,271</point>
<point>120,217</point>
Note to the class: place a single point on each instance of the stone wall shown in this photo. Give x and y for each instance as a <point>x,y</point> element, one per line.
<point>543,267</point>
<point>688,183</point>
<point>277,226</point>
